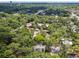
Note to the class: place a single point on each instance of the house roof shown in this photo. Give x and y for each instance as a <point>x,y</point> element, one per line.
<point>39,46</point>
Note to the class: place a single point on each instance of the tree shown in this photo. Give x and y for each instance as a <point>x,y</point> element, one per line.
<point>8,54</point>
<point>39,38</point>
<point>5,34</point>
<point>42,55</point>
<point>76,35</point>
<point>24,37</point>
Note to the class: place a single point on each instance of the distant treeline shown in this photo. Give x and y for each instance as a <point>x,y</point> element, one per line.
<point>32,8</point>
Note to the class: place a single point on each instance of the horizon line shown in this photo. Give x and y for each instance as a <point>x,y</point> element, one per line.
<point>34,2</point>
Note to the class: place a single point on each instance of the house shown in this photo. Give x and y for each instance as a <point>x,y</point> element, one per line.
<point>29,25</point>
<point>72,55</point>
<point>37,31</point>
<point>47,25</point>
<point>16,14</point>
<point>67,41</point>
<point>71,23</point>
<point>56,16</point>
<point>47,31</point>
<point>39,47</point>
<point>74,27</point>
<point>40,24</point>
<point>55,48</point>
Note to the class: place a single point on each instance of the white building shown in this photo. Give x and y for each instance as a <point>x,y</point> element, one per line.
<point>67,41</point>
<point>74,27</point>
<point>37,31</point>
<point>29,24</point>
<point>40,24</point>
<point>39,47</point>
<point>47,25</point>
<point>71,23</point>
<point>55,49</point>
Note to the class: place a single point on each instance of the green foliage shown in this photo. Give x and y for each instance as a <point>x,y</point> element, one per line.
<point>16,39</point>
<point>49,42</point>
<point>77,35</point>
<point>5,34</point>
<point>8,53</point>
<point>39,38</point>
<point>42,55</point>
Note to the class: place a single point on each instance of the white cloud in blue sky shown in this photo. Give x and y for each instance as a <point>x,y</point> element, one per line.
<point>43,0</point>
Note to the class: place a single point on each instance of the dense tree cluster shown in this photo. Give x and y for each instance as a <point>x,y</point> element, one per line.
<point>17,38</point>
<point>48,32</point>
<point>47,9</point>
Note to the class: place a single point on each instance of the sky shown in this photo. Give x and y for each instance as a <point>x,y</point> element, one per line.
<point>40,0</point>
